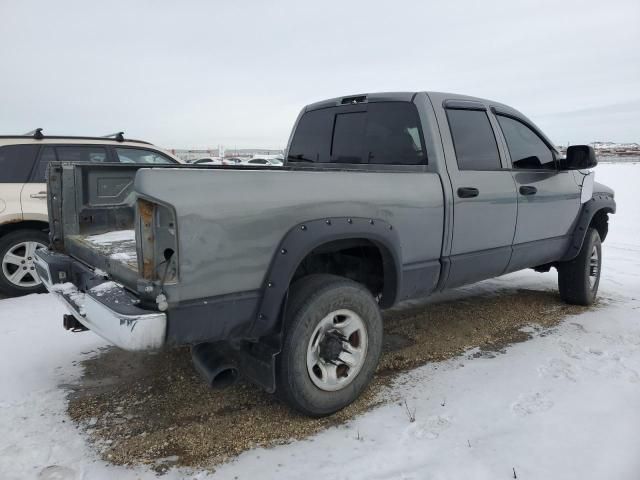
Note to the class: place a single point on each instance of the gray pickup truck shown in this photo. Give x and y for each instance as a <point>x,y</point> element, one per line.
<point>279,274</point>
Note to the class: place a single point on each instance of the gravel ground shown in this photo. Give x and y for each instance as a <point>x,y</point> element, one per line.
<point>153,409</point>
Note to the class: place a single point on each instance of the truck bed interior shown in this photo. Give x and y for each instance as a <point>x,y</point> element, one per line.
<point>93,213</point>
<point>118,246</point>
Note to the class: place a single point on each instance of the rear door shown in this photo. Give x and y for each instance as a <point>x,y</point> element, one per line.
<point>548,199</point>
<point>484,195</point>
<point>16,163</point>
<point>34,192</point>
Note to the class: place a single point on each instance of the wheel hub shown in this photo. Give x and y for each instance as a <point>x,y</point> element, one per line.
<point>331,347</point>
<point>18,264</point>
<point>337,350</point>
<point>594,267</point>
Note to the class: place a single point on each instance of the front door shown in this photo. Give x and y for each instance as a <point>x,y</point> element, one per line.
<point>548,199</point>
<point>484,199</point>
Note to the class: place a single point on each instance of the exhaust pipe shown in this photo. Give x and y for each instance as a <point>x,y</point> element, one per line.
<point>69,322</point>
<point>218,370</point>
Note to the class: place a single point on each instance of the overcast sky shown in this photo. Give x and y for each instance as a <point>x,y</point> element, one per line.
<point>195,74</point>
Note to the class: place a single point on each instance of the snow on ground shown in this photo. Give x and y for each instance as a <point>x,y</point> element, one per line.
<point>563,405</point>
<point>112,237</point>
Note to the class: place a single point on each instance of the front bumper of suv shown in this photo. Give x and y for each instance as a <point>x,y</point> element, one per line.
<point>105,307</point>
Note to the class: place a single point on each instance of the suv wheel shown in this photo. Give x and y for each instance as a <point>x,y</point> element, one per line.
<point>332,344</point>
<point>17,267</point>
<point>578,279</point>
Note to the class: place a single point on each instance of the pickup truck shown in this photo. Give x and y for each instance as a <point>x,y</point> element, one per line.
<point>279,274</point>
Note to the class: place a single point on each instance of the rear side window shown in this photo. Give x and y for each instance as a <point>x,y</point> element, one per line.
<point>82,154</point>
<point>394,134</point>
<point>312,139</point>
<point>40,172</point>
<point>379,133</point>
<point>526,148</point>
<point>473,140</point>
<point>16,162</point>
<point>348,138</point>
<point>139,155</point>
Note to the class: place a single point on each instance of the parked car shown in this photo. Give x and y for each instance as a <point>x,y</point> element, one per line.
<point>383,198</point>
<point>23,192</point>
<point>231,161</point>
<point>208,161</point>
<point>265,162</point>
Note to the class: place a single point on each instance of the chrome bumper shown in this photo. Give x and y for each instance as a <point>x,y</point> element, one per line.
<point>141,331</point>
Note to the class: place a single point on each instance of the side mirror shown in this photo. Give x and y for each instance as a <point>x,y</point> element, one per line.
<point>579,157</point>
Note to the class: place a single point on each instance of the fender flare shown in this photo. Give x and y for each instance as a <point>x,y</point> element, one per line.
<point>302,239</point>
<point>599,202</point>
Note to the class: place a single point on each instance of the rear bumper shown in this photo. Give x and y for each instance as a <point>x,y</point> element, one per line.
<point>105,307</point>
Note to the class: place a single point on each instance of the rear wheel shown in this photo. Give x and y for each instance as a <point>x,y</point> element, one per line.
<point>332,344</point>
<point>17,262</point>
<point>578,279</point>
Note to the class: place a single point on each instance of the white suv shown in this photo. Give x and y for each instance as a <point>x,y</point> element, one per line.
<point>23,193</point>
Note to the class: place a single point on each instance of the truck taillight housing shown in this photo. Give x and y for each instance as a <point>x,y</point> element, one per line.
<point>157,245</point>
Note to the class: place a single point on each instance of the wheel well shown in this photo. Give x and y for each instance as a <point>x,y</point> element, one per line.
<point>600,222</point>
<point>361,260</point>
<point>23,225</point>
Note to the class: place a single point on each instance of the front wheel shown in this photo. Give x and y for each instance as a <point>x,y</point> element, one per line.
<point>332,344</point>
<point>578,279</point>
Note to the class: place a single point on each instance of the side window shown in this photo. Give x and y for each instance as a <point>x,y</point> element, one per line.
<point>393,134</point>
<point>526,148</point>
<point>82,154</point>
<point>380,133</point>
<point>16,162</point>
<point>139,155</point>
<point>348,138</point>
<point>47,155</point>
<point>473,140</point>
<point>312,139</point>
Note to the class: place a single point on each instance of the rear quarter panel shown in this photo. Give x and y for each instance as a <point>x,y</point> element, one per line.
<point>10,208</point>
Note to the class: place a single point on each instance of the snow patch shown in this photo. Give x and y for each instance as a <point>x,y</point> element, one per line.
<point>112,237</point>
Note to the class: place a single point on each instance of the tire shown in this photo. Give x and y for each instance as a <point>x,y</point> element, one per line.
<point>319,372</point>
<point>578,279</point>
<point>16,255</point>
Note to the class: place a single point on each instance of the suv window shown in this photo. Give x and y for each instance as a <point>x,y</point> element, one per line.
<point>526,148</point>
<point>473,140</point>
<point>140,155</point>
<point>16,162</point>
<point>381,133</point>
<point>40,172</point>
<point>87,153</point>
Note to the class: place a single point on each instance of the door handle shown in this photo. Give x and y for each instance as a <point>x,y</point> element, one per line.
<point>528,190</point>
<point>39,195</point>
<point>468,192</point>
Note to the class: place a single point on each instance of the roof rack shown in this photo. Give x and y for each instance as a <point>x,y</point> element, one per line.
<point>118,136</point>
<point>37,134</point>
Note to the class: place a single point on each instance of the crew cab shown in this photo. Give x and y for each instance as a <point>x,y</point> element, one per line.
<point>280,273</point>
<point>23,192</point>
